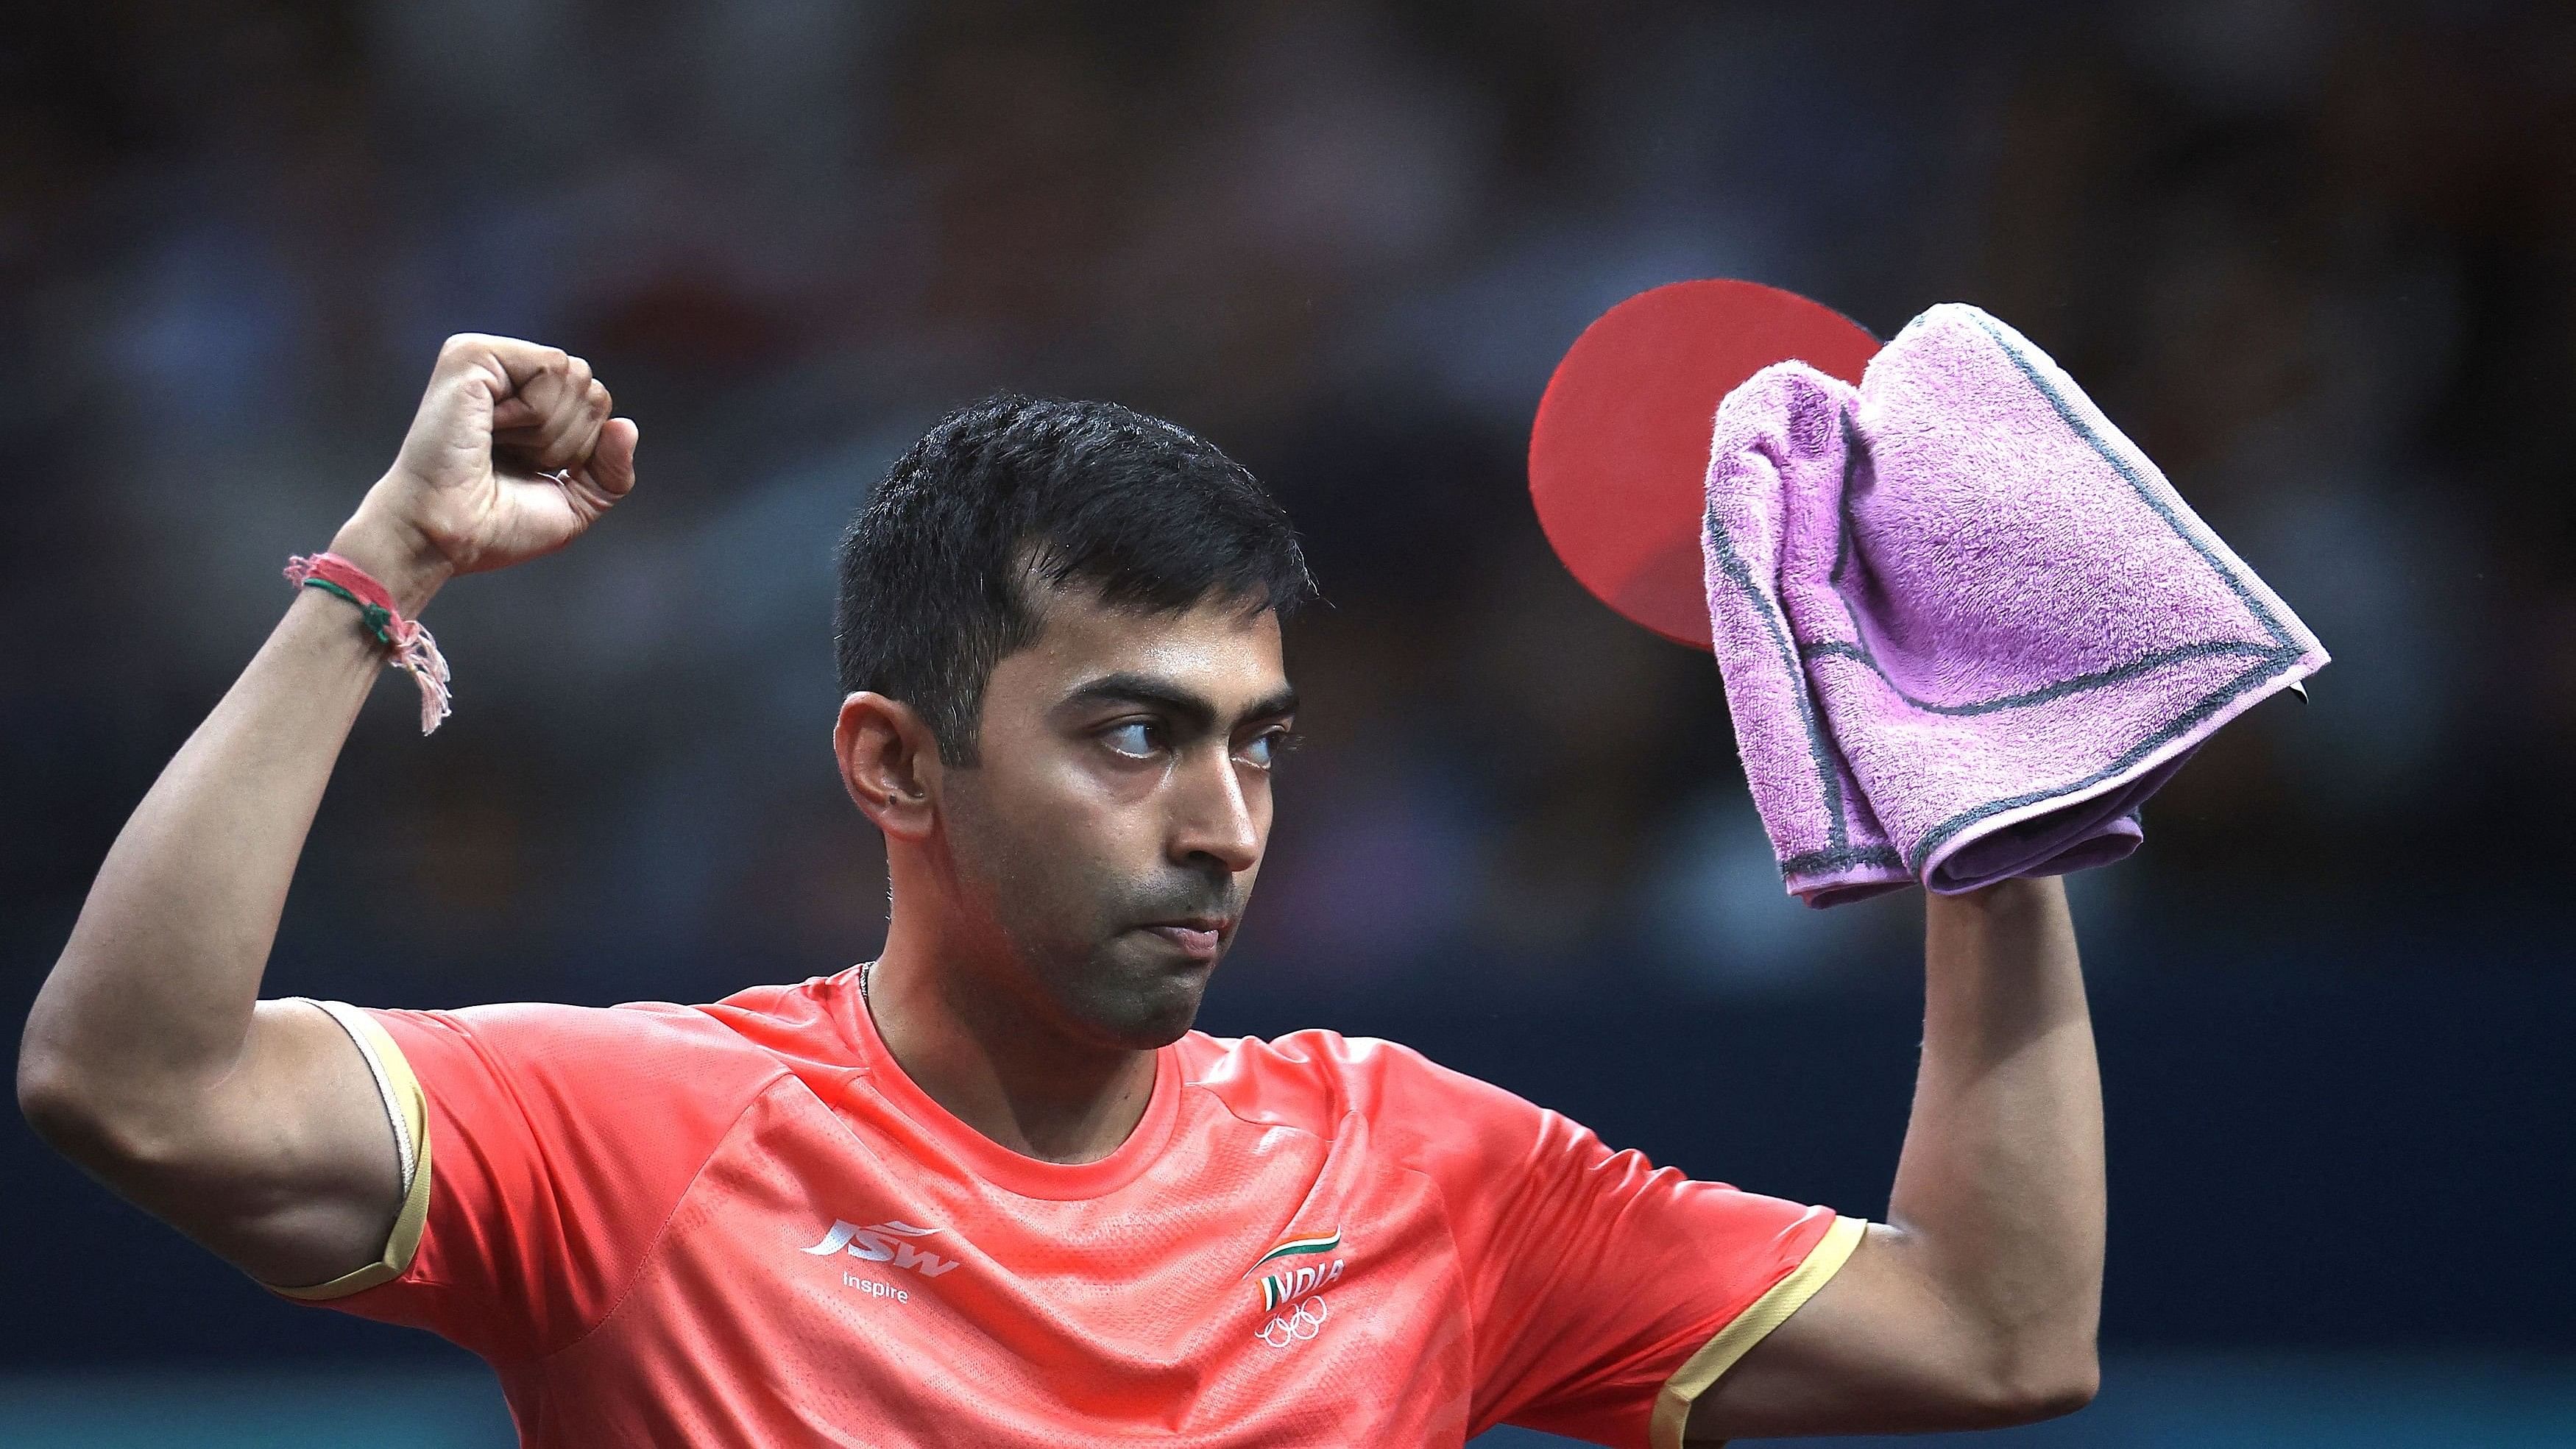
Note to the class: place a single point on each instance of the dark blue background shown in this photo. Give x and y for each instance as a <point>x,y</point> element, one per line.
<point>2320,261</point>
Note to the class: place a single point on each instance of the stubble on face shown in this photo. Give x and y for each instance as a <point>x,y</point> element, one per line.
<point>1067,855</point>
<point>1066,925</point>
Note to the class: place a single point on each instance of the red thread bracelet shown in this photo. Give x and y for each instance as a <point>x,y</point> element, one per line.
<point>412,648</point>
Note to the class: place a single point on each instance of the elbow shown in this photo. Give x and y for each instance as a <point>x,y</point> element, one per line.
<point>49,1096</point>
<point>125,1123</point>
<point>67,1098</point>
<point>55,1100</point>
<point>2058,1394</point>
<point>2029,1386</point>
<point>63,1103</point>
<point>49,1081</point>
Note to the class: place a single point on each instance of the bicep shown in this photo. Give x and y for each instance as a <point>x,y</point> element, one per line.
<point>1877,1350</point>
<point>293,1174</point>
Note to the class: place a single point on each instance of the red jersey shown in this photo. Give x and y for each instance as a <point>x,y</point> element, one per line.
<point>742,1224</point>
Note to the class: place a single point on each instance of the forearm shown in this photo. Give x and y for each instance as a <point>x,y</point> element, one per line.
<point>151,1000</point>
<point>147,1057</point>
<point>1999,1192</point>
<point>1975,1305</point>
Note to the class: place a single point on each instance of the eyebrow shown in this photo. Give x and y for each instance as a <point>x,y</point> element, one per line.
<point>1191,708</point>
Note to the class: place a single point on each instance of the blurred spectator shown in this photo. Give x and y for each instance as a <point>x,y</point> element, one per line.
<point>2320,261</point>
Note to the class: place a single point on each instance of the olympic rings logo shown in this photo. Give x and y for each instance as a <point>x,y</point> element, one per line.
<point>1295,1327</point>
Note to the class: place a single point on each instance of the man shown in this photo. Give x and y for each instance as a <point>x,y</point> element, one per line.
<point>992,1189</point>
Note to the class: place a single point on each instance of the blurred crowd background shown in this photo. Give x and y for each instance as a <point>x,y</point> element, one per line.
<point>2319,260</point>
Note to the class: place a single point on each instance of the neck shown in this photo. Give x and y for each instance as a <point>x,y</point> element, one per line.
<point>1013,1076</point>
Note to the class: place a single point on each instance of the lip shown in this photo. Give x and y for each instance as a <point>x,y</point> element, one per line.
<point>1197,937</point>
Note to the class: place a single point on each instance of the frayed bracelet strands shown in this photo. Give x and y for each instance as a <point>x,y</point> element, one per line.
<point>413,651</point>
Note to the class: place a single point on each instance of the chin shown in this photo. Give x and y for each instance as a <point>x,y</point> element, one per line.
<point>1157,1016</point>
<point>1143,1005</point>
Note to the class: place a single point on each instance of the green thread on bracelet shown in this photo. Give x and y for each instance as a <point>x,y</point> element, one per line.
<point>378,618</point>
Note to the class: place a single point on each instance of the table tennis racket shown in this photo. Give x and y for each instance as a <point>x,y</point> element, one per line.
<point>1619,454</point>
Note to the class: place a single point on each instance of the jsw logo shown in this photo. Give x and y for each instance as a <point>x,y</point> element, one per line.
<point>880,1244</point>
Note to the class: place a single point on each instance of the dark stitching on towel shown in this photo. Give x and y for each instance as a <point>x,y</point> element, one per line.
<point>1853,444</point>
<point>1816,860</point>
<point>2225,694</point>
<point>2042,695</point>
<point>2136,481</point>
<point>2281,654</point>
<point>2268,660</point>
<point>1742,576</point>
<point>1847,526</point>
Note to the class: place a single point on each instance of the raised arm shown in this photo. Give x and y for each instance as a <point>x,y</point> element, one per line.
<point>255,1127</point>
<point>1976,1304</point>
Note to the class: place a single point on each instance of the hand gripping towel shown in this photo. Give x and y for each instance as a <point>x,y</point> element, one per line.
<point>1966,627</point>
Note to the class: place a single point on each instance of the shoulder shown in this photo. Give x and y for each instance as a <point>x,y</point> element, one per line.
<point>1313,1080</point>
<point>628,1054</point>
<point>634,1030</point>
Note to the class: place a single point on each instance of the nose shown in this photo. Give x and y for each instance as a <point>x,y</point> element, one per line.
<point>1212,816</point>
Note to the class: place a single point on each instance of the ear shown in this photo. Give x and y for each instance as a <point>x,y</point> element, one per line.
<point>889,763</point>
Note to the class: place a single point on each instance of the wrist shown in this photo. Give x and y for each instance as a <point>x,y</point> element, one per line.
<point>2007,896</point>
<point>397,556</point>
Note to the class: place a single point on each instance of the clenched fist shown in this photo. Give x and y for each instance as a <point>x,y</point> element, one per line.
<point>512,455</point>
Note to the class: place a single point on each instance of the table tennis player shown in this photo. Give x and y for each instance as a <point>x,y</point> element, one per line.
<point>991,1188</point>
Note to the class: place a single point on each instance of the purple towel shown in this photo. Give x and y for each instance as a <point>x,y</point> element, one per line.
<point>1966,627</point>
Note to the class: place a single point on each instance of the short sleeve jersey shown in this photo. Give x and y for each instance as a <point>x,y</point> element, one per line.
<point>742,1224</point>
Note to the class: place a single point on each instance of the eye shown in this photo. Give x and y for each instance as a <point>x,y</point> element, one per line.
<point>1136,739</point>
<point>1264,749</point>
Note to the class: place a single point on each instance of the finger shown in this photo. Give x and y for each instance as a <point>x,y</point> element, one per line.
<point>515,362</point>
<point>504,369</point>
<point>568,439</point>
<point>460,410</point>
<point>571,416</point>
<point>596,407</point>
<point>540,385</point>
<point>515,414</point>
<point>611,470</point>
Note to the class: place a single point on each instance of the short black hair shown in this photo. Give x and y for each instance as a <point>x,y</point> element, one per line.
<point>1009,491</point>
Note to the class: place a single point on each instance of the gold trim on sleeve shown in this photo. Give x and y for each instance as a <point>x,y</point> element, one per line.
<point>1692,1379</point>
<point>407,1110</point>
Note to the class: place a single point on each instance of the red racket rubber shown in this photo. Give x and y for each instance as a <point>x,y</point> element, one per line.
<point>1618,459</point>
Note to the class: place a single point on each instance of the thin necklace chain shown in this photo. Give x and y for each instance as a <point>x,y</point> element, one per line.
<point>865,972</point>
